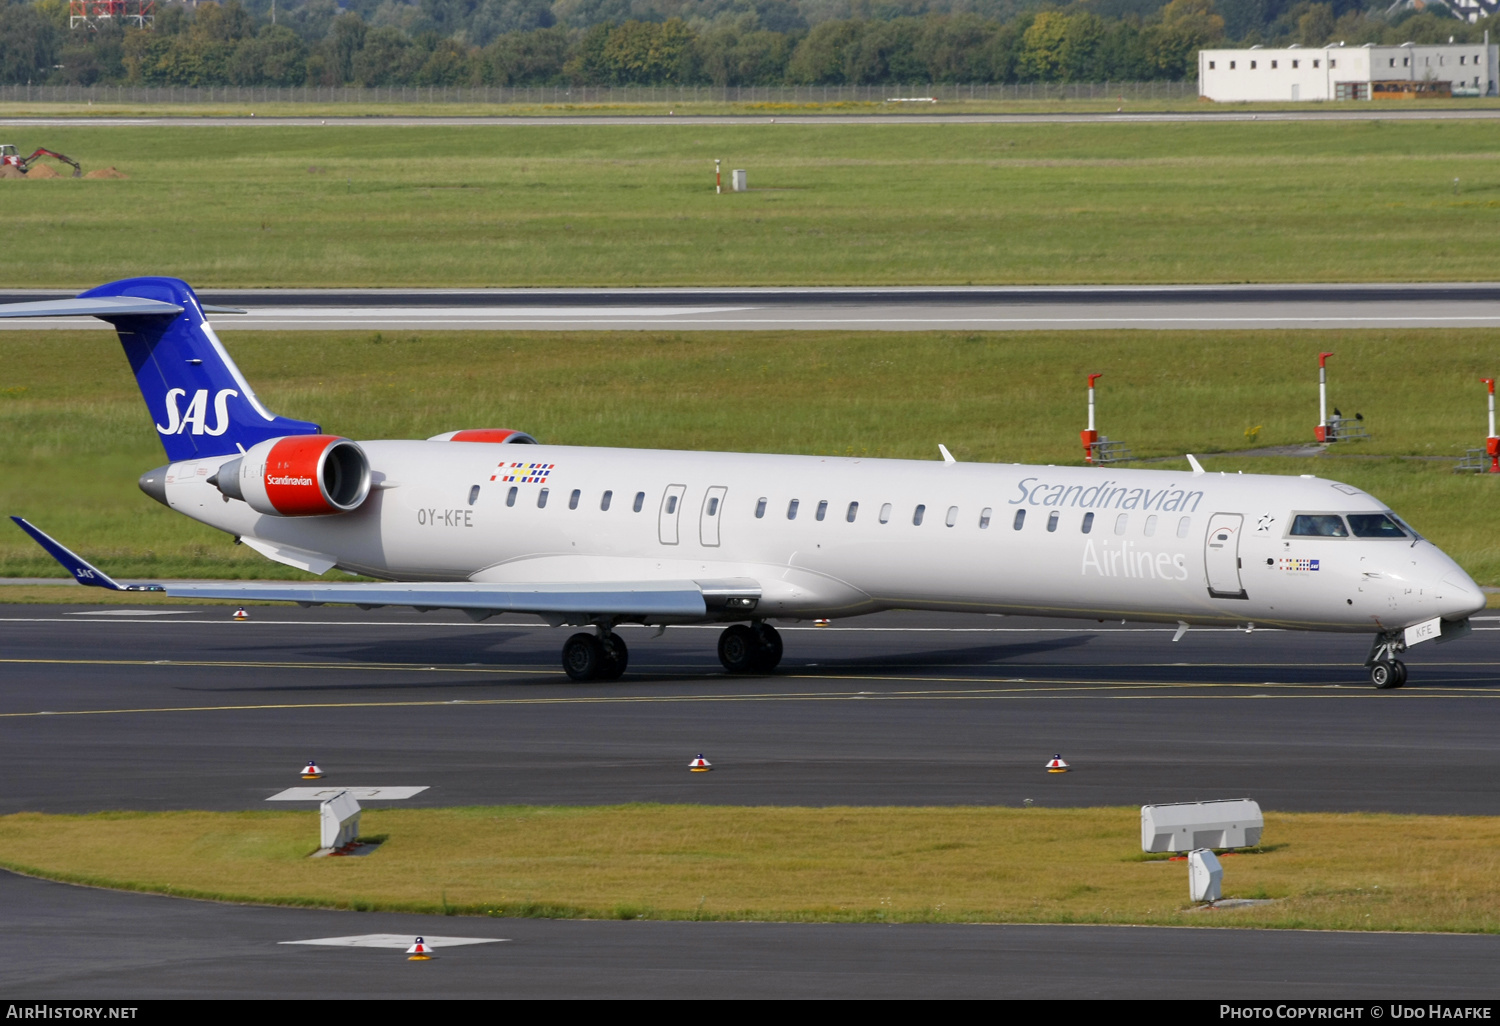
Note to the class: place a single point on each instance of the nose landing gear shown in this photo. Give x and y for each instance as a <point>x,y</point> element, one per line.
<point>1386,671</point>
<point>755,648</point>
<point>590,657</point>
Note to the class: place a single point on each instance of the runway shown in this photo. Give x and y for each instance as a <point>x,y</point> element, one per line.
<point>179,707</point>
<point>76,943</point>
<point>1381,113</point>
<point>1018,308</point>
<point>164,710</point>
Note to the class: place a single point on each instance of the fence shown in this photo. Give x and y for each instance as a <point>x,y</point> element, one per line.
<point>564,94</point>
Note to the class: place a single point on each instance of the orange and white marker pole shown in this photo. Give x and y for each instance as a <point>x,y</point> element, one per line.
<point>1322,430</point>
<point>1492,442</point>
<point>718,181</point>
<point>1090,436</point>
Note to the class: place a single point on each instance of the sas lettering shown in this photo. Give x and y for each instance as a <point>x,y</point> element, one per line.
<point>178,420</point>
<point>1106,495</point>
<point>1128,561</point>
<point>445,517</point>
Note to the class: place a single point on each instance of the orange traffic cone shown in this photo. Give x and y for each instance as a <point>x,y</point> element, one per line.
<point>1056,765</point>
<point>240,614</point>
<point>700,764</point>
<point>419,952</point>
<point>311,771</point>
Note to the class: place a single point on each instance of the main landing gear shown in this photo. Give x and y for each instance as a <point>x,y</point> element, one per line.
<point>595,657</point>
<point>1386,671</point>
<point>755,648</point>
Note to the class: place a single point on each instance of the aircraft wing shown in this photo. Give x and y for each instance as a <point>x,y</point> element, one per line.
<point>684,600</point>
<point>674,600</point>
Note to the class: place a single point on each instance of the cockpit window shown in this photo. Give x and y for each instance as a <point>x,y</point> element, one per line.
<point>1374,525</point>
<point>1319,525</point>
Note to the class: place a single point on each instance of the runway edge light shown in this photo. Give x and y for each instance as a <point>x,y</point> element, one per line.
<point>1056,765</point>
<point>311,770</point>
<point>700,764</point>
<point>419,952</point>
<point>240,614</point>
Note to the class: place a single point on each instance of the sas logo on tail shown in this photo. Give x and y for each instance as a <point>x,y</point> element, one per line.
<point>179,420</point>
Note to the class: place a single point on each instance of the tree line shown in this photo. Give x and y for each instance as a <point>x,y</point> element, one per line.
<point>687,42</point>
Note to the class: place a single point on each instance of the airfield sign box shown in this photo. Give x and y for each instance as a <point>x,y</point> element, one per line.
<point>1185,826</point>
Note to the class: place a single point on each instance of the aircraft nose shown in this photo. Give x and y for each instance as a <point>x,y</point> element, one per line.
<point>1461,596</point>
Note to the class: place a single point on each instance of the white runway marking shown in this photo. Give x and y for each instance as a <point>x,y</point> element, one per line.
<point>401,941</point>
<point>364,794</point>
<point>134,612</point>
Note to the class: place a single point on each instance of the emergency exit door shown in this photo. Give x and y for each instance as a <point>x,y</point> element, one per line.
<point>1221,556</point>
<point>708,519</point>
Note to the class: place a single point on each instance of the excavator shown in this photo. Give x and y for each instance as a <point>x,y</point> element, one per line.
<point>10,156</point>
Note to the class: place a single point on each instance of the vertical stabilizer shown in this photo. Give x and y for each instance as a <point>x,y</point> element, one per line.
<point>199,401</point>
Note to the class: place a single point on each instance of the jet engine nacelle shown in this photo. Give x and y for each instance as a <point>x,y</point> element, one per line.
<point>298,476</point>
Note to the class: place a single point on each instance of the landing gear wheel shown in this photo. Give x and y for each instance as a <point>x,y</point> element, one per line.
<point>1388,676</point>
<point>738,648</point>
<point>616,657</point>
<point>767,648</point>
<point>583,657</point>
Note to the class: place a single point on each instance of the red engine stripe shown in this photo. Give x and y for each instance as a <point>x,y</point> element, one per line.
<point>292,476</point>
<point>483,435</point>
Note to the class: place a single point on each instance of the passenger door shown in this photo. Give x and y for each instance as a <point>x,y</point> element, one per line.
<point>671,513</point>
<point>708,519</point>
<point>1221,556</point>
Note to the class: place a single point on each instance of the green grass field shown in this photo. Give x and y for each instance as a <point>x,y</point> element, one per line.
<point>1322,871</point>
<point>78,434</point>
<point>910,204</point>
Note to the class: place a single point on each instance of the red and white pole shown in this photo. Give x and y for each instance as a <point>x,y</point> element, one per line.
<point>1322,432</point>
<point>1492,443</point>
<point>718,182</point>
<point>1090,436</point>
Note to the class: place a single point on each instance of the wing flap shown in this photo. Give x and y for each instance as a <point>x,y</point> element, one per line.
<point>666,599</point>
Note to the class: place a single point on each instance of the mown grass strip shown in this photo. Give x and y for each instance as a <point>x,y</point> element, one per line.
<point>1324,871</point>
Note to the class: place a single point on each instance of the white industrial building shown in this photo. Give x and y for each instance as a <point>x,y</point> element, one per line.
<point>1339,72</point>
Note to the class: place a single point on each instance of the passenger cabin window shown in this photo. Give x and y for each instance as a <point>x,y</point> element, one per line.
<point>791,509</point>
<point>640,501</point>
<point>1319,525</point>
<point>885,513</point>
<point>671,504</point>
<point>473,495</point>
<point>604,501</point>
<point>853,512</point>
<point>1121,523</point>
<point>1150,527</point>
<point>1231,65</point>
<point>760,508</point>
<point>1374,525</point>
<point>1052,521</point>
<point>917,515</point>
<point>1183,525</point>
<point>1020,520</point>
<point>1210,65</point>
<point>952,519</point>
<point>510,496</point>
<point>984,518</point>
<point>713,506</point>
<point>822,509</point>
<point>541,499</point>
<point>573,499</point>
<point>1088,522</point>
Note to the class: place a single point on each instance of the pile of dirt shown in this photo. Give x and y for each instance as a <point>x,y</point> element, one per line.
<point>106,172</point>
<point>42,171</point>
<point>10,171</point>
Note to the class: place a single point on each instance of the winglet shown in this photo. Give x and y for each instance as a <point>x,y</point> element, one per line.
<point>1197,467</point>
<point>947,456</point>
<point>82,570</point>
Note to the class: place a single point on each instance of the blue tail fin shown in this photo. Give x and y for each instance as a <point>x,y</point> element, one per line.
<point>199,401</point>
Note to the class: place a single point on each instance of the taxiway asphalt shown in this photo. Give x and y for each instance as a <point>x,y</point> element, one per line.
<point>166,708</point>
<point>183,709</point>
<point>1019,308</point>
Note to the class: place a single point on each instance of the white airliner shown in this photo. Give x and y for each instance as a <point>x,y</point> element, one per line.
<point>488,521</point>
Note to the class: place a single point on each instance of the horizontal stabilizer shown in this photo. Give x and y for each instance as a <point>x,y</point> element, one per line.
<point>81,569</point>
<point>104,306</point>
<point>685,600</point>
